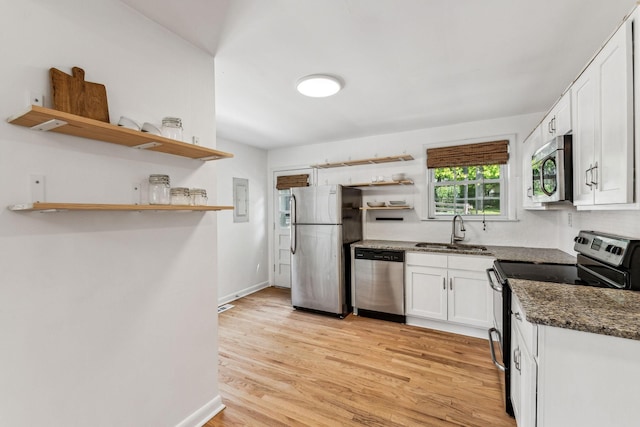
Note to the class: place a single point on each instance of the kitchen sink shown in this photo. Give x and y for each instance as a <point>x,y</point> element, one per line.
<point>450,247</point>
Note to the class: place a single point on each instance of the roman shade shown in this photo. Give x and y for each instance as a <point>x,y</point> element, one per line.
<point>288,181</point>
<point>484,153</point>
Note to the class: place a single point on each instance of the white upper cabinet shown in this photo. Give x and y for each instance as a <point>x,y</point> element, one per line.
<point>602,99</point>
<point>558,121</point>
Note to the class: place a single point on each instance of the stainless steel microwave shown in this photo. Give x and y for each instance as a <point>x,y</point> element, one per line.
<point>552,171</point>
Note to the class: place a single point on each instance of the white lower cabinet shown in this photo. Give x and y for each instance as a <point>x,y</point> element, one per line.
<point>450,289</point>
<point>562,377</point>
<point>523,368</point>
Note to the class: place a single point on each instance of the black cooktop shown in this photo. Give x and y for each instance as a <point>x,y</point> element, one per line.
<point>555,273</point>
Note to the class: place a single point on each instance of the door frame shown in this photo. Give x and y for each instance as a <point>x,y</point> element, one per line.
<point>272,203</point>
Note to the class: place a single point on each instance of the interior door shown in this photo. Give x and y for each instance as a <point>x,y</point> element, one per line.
<point>281,230</point>
<point>282,238</point>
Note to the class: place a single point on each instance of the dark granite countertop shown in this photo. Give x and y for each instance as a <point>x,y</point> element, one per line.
<point>501,253</point>
<point>583,308</point>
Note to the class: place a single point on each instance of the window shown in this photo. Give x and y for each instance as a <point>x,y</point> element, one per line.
<point>284,184</point>
<point>467,190</point>
<point>468,179</point>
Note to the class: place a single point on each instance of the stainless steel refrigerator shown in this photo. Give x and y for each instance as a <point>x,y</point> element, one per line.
<point>325,220</point>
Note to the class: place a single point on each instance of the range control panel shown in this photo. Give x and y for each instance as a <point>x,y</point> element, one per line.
<point>607,248</point>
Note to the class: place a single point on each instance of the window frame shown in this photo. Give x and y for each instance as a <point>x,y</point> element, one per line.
<point>508,183</point>
<point>503,199</point>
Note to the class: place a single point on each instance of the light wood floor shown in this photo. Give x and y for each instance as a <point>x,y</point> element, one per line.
<point>282,367</point>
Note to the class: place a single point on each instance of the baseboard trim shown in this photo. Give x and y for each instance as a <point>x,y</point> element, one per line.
<point>454,328</point>
<point>243,293</point>
<point>204,414</point>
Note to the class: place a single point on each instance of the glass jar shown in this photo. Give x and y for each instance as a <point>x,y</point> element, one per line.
<point>159,190</point>
<point>198,196</point>
<point>180,196</point>
<point>172,128</point>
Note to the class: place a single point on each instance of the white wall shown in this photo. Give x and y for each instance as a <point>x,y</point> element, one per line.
<point>526,231</point>
<point>624,223</point>
<point>243,258</point>
<point>106,319</point>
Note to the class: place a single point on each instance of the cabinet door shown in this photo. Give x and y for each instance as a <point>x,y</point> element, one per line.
<point>470,298</point>
<point>516,374</point>
<point>558,121</point>
<point>603,125</point>
<point>426,293</point>
<point>562,115</point>
<point>584,135</point>
<point>614,149</point>
<point>546,127</point>
<point>531,144</point>
<point>528,387</point>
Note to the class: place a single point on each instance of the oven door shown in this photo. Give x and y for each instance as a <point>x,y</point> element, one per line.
<point>496,333</point>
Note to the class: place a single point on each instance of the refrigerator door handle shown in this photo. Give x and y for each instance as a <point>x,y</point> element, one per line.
<point>292,229</point>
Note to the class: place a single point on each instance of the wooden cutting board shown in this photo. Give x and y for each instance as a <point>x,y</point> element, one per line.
<point>72,94</point>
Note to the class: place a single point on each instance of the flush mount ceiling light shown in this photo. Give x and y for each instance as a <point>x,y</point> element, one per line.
<point>319,85</point>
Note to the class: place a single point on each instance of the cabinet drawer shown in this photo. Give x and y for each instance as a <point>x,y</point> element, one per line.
<point>470,262</point>
<point>528,330</point>
<point>426,260</point>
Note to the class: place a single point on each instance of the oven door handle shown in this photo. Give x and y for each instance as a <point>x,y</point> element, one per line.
<point>604,279</point>
<point>493,351</point>
<point>491,282</point>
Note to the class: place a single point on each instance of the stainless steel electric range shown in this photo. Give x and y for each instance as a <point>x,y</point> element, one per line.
<point>604,260</point>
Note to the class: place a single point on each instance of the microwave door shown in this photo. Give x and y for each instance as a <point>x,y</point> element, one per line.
<point>536,182</point>
<point>550,178</point>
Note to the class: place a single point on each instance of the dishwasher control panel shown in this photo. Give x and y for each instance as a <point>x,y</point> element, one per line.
<point>379,254</point>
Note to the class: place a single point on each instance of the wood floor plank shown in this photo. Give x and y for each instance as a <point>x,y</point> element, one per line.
<point>283,367</point>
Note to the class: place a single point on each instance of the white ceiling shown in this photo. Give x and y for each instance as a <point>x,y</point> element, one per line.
<point>407,64</point>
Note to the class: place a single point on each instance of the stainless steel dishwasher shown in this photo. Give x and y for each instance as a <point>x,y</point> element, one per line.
<point>379,284</point>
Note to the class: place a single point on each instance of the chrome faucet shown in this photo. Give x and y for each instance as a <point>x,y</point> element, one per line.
<point>454,237</point>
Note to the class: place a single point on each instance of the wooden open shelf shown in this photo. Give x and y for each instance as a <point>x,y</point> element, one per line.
<point>372,161</point>
<point>381,184</point>
<point>57,207</point>
<point>46,119</point>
